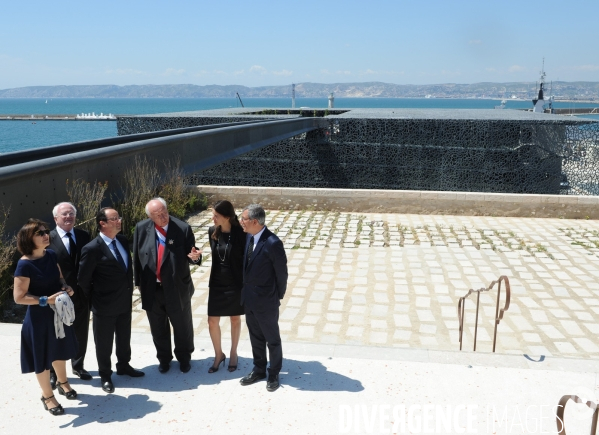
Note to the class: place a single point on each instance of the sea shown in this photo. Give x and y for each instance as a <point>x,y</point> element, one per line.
<point>22,135</point>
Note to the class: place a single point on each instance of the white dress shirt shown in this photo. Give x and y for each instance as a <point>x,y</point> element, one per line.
<point>65,239</point>
<point>122,251</point>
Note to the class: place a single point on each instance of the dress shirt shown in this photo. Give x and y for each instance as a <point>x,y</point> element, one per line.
<point>65,239</point>
<point>108,241</point>
<point>257,237</point>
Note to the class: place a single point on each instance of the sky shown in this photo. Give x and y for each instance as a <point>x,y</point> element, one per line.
<point>265,43</point>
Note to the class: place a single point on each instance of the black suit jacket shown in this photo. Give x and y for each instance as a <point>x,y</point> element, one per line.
<point>265,277</point>
<point>69,268</point>
<point>174,271</point>
<point>104,279</point>
<point>234,255</point>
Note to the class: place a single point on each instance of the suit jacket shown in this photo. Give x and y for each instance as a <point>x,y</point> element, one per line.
<point>102,278</point>
<point>265,277</point>
<point>174,271</point>
<point>234,255</point>
<point>69,268</point>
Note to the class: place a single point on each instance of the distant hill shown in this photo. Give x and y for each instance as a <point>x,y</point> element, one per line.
<point>525,90</point>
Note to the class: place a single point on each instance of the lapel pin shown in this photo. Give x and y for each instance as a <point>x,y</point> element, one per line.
<point>171,241</point>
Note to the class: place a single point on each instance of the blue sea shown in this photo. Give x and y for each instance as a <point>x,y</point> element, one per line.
<point>21,135</point>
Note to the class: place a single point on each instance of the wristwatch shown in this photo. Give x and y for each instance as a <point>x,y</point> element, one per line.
<point>43,301</point>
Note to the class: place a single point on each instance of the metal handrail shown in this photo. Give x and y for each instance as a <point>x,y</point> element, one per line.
<point>561,407</point>
<point>498,312</point>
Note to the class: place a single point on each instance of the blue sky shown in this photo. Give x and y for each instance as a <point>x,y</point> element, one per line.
<point>261,43</point>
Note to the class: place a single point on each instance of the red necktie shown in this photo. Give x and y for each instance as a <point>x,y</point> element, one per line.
<point>161,245</point>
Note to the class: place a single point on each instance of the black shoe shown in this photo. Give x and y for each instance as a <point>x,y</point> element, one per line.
<point>214,369</point>
<point>164,367</point>
<point>185,366</point>
<point>82,374</point>
<point>107,385</point>
<point>53,380</point>
<point>57,410</point>
<point>129,371</point>
<point>71,394</point>
<point>254,376</point>
<point>273,383</point>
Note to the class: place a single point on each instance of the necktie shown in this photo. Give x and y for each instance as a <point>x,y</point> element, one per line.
<point>250,251</point>
<point>117,254</point>
<point>160,255</point>
<point>72,247</point>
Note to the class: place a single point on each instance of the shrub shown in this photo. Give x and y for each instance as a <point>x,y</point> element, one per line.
<point>87,198</point>
<point>8,254</point>
<point>143,181</point>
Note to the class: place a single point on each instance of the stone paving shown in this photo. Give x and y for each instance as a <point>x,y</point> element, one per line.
<point>394,280</point>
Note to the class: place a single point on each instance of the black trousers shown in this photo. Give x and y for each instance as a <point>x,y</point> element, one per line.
<point>107,330</point>
<point>159,317</point>
<point>81,329</point>
<point>263,327</point>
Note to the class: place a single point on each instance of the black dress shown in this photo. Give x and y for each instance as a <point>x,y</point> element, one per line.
<point>39,345</point>
<point>226,274</point>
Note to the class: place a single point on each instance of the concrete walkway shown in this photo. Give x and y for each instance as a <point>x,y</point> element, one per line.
<point>370,337</point>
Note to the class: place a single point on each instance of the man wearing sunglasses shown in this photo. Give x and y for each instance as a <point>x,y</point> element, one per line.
<point>67,241</point>
<point>106,274</point>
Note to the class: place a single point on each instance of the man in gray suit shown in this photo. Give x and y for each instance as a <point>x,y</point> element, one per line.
<point>264,285</point>
<point>163,249</point>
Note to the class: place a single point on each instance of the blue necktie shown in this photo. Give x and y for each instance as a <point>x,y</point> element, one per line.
<point>117,254</point>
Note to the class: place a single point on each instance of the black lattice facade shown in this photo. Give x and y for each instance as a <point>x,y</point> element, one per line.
<point>443,150</point>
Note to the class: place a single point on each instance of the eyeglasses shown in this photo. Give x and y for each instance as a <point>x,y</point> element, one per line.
<point>42,233</point>
<point>245,219</point>
<point>114,219</point>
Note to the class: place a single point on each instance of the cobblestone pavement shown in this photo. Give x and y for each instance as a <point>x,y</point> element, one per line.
<point>395,280</point>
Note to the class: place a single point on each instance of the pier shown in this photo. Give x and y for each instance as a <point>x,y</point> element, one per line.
<point>58,117</point>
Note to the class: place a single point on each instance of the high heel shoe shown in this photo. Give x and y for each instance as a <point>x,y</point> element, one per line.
<point>214,369</point>
<point>232,368</point>
<point>71,395</point>
<point>57,410</point>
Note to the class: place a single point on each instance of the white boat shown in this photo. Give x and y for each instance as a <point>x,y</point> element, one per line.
<point>502,105</point>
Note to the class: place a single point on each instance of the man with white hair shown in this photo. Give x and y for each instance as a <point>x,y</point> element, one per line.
<point>163,249</point>
<point>67,241</point>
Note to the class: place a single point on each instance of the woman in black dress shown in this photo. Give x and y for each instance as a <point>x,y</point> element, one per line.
<point>38,282</point>
<point>227,242</point>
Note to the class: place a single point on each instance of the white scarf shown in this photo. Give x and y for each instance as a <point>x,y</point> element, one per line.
<point>64,313</point>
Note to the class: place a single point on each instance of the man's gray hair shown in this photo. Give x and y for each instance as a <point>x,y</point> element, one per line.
<point>55,209</point>
<point>255,211</point>
<point>161,200</point>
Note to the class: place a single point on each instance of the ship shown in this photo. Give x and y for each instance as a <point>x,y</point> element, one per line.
<point>540,104</point>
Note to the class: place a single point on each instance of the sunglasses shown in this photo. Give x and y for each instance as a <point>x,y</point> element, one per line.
<point>41,233</point>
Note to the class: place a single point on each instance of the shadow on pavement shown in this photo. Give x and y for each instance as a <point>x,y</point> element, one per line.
<point>109,408</point>
<point>301,375</point>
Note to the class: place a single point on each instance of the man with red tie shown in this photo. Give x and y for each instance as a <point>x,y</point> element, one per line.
<point>163,249</point>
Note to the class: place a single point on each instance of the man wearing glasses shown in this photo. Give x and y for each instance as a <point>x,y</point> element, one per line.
<point>163,250</point>
<point>67,241</point>
<point>264,285</point>
<point>106,274</point>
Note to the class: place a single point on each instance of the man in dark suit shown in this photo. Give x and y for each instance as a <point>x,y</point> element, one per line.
<point>106,275</point>
<point>163,249</point>
<point>264,285</point>
<point>67,241</point>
